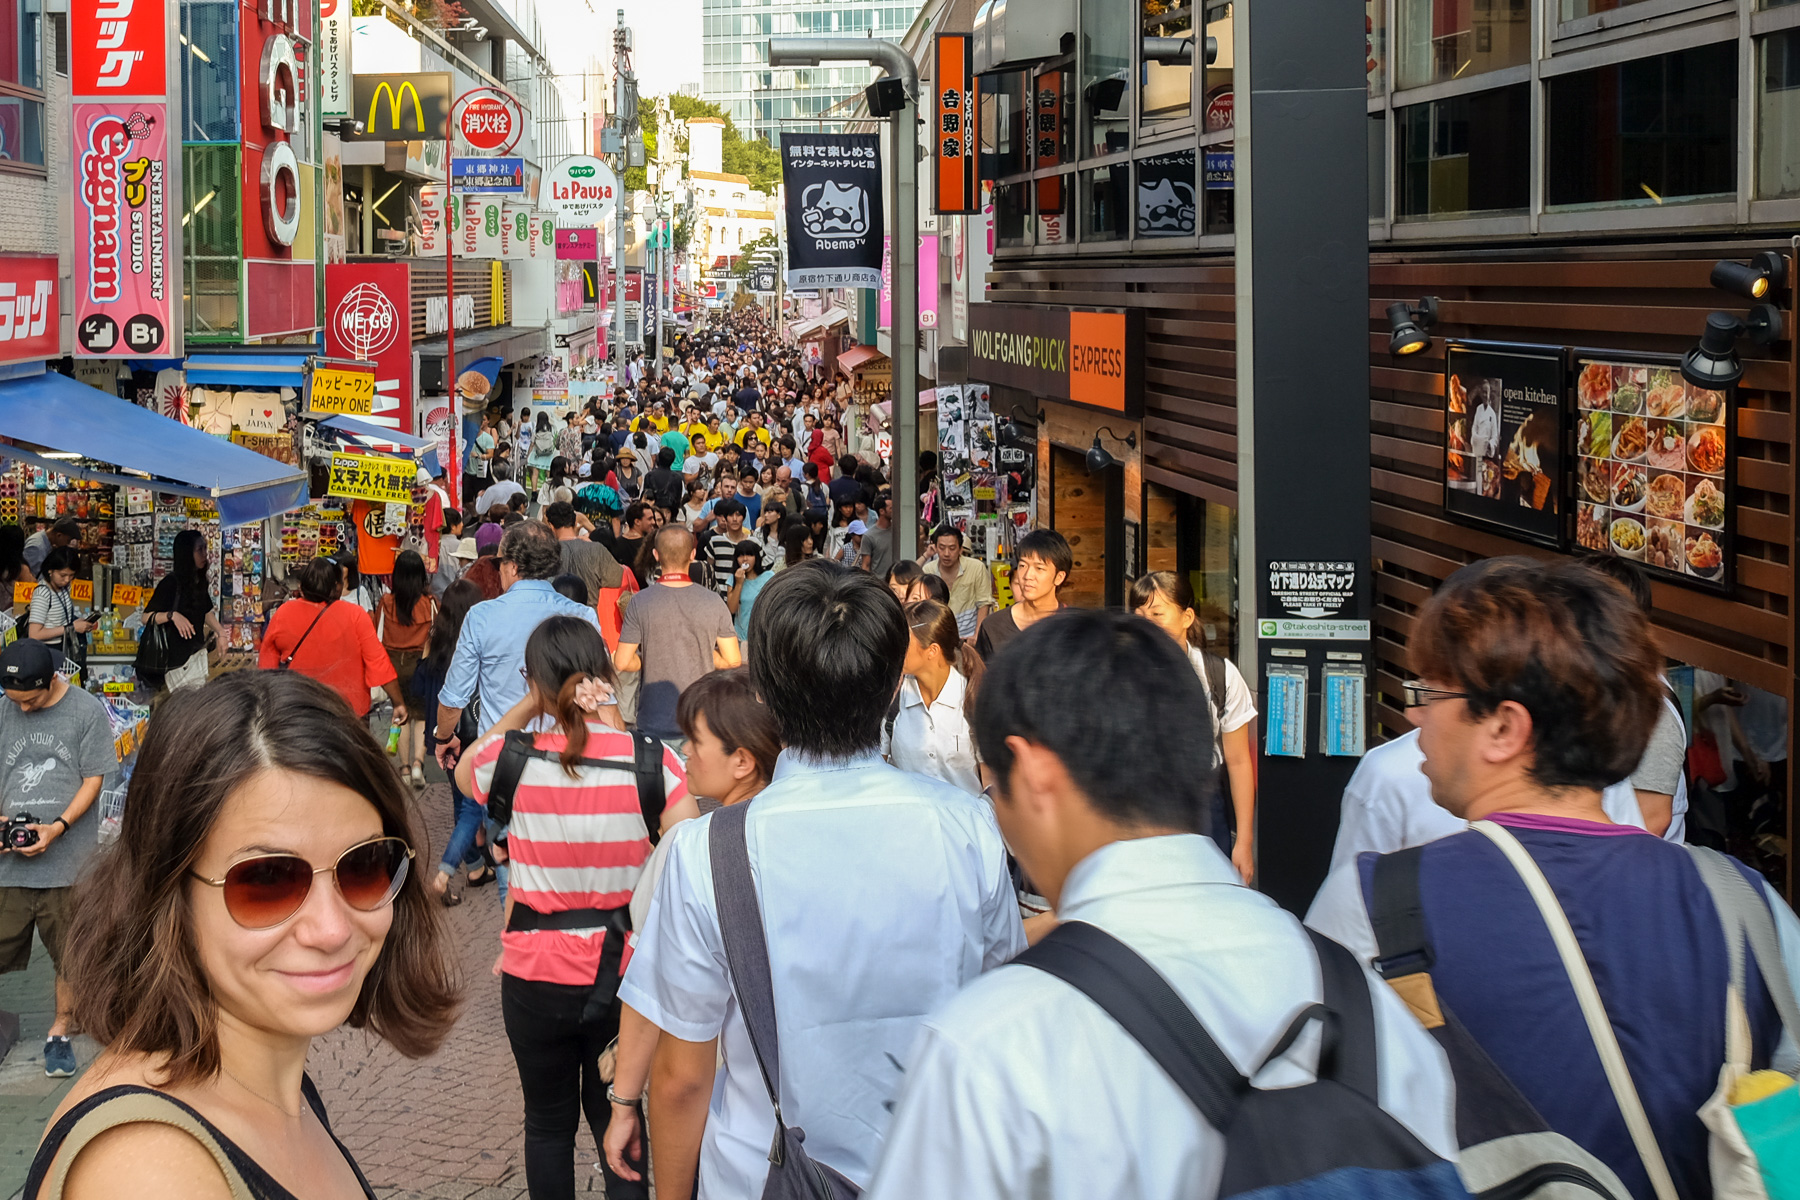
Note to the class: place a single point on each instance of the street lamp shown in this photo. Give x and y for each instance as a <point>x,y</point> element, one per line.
<point>810,52</point>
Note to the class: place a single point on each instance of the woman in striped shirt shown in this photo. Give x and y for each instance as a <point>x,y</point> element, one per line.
<point>577,845</point>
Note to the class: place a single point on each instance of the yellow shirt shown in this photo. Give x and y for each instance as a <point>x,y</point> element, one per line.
<point>660,424</point>
<point>695,429</point>
<point>761,435</point>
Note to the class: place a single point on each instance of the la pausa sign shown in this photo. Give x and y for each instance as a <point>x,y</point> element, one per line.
<point>1085,356</point>
<point>581,190</point>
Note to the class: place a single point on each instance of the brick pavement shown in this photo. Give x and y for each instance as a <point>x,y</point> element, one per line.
<point>448,1127</point>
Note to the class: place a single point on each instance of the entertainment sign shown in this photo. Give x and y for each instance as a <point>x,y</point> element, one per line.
<point>1085,356</point>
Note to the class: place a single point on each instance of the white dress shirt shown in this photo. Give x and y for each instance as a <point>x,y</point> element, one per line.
<point>1387,806</point>
<point>933,739</point>
<point>1022,1086</point>
<point>883,893</point>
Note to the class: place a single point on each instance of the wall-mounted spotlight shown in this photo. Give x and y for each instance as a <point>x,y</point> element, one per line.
<point>1754,280</point>
<point>1714,362</point>
<point>1009,429</point>
<point>1097,457</point>
<point>1409,323</point>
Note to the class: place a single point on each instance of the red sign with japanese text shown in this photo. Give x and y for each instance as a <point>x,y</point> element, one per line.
<point>954,132</point>
<point>282,288</point>
<point>30,320</point>
<point>119,48</point>
<point>368,317</point>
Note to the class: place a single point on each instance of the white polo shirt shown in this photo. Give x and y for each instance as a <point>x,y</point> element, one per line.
<point>883,894</point>
<point>933,739</point>
<point>1022,1086</point>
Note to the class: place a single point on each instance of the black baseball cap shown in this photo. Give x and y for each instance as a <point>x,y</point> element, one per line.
<point>28,665</point>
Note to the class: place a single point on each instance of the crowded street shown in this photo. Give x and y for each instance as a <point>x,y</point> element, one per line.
<point>733,600</point>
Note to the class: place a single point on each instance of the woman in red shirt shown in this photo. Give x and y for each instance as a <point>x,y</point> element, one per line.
<point>404,626</point>
<point>577,844</point>
<point>331,640</point>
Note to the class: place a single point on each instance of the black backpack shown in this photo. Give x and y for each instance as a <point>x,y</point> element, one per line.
<point>646,763</point>
<point>1330,1137</point>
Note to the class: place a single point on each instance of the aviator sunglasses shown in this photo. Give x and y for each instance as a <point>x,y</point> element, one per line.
<point>262,892</point>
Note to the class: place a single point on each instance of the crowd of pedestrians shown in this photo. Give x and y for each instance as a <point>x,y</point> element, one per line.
<point>821,874</point>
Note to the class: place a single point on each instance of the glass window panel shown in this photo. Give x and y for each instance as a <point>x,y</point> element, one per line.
<point>1012,214</point>
<point>1165,195</point>
<point>21,130</point>
<point>1453,39</point>
<point>1215,103</point>
<point>1375,22</point>
<point>1221,206</point>
<point>1377,168</point>
<point>209,71</point>
<point>1778,115</point>
<point>1106,33</point>
<point>1167,93</point>
<point>1574,9</point>
<point>1003,113</point>
<point>1052,113</point>
<point>1469,154</point>
<point>1055,209</point>
<point>1645,132</point>
<point>1103,203</point>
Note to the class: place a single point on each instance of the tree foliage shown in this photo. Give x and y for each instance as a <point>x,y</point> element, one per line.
<point>740,265</point>
<point>750,157</point>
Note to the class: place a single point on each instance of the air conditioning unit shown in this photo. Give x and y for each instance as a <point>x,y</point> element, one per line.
<point>1017,33</point>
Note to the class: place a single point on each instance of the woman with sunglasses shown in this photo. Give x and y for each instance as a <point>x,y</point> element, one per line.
<point>245,910</point>
<point>577,845</point>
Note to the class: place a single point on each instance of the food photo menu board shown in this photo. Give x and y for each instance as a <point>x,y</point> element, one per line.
<point>1503,439</point>
<point>1652,455</point>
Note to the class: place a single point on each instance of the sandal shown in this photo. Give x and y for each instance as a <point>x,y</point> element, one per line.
<point>487,876</point>
<point>450,898</point>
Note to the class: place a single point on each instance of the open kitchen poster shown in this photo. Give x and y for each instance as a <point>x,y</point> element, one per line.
<point>1503,439</point>
<point>127,176</point>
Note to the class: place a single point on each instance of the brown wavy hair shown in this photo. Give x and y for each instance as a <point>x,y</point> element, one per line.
<point>132,963</point>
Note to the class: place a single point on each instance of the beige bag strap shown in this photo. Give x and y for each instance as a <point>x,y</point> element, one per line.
<point>1599,1025</point>
<point>132,1109</point>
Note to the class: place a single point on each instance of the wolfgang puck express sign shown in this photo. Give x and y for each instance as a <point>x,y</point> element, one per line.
<point>1091,357</point>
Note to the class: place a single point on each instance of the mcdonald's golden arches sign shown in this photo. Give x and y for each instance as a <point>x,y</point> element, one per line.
<point>401,108</point>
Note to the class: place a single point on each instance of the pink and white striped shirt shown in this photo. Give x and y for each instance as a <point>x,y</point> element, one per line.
<point>574,843</point>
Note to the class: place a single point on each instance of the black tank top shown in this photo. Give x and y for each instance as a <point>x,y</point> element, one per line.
<point>262,1185</point>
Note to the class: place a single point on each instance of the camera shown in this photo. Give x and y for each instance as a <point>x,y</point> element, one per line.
<point>18,833</point>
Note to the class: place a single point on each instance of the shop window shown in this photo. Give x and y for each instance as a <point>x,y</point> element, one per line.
<point>1105,76</point>
<point>1215,89</point>
<point>1004,146</point>
<point>1166,196</point>
<point>1377,167</point>
<point>209,71</point>
<point>1645,132</point>
<point>211,187</point>
<point>1468,155</point>
<point>21,82</point>
<point>1169,49</point>
<point>1778,115</point>
<point>1221,208</point>
<point>1055,209</point>
<point>1012,214</point>
<point>1573,10</point>
<point>1457,39</point>
<point>1375,51</point>
<point>1103,203</point>
<point>1052,112</point>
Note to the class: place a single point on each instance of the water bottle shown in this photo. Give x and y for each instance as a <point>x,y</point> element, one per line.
<point>393,742</point>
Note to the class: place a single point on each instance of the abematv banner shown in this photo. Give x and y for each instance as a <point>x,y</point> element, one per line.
<point>127,179</point>
<point>368,316</point>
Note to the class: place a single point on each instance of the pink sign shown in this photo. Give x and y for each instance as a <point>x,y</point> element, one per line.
<point>30,327</point>
<point>581,245</point>
<point>928,282</point>
<point>127,278</point>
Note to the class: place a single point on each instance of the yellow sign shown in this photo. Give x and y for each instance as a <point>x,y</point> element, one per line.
<point>342,390</point>
<point>372,477</point>
<point>22,592</point>
<point>126,596</point>
<point>82,591</point>
<point>118,687</point>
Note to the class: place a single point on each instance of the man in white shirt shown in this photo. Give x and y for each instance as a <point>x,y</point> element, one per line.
<point>1022,1086</point>
<point>882,894</point>
<point>501,491</point>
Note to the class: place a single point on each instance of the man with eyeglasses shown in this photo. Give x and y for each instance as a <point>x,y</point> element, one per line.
<point>56,750</point>
<point>490,652</point>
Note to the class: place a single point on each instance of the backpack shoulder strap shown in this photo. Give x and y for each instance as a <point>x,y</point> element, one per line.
<point>508,768</point>
<point>652,792</point>
<point>1397,916</point>
<point>131,1107</point>
<point>1743,913</point>
<point>1349,1054</point>
<point>746,947</point>
<point>1134,994</point>
<point>1215,679</point>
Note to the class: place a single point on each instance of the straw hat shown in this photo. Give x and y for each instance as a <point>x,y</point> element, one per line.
<point>466,550</point>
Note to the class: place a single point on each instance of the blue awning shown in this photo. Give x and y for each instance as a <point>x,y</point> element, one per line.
<point>57,413</point>
<point>247,369</point>
<point>369,431</point>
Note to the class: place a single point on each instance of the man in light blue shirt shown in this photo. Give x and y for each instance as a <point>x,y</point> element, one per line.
<point>491,651</point>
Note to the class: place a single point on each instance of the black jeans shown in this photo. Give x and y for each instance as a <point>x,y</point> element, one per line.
<point>558,1057</point>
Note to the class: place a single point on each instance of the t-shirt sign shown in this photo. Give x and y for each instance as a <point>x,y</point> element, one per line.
<point>1503,439</point>
<point>372,477</point>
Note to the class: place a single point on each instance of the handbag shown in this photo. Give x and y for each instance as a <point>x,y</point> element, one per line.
<point>154,654</point>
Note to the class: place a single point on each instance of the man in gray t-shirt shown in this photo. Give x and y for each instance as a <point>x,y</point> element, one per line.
<point>56,750</point>
<point>878,542</point>
<point>675,632</point>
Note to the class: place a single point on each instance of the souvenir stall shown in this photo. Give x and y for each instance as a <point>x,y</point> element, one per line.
<point>986,482</point>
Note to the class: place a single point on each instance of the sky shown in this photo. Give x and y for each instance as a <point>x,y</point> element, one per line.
<point>666,32</point>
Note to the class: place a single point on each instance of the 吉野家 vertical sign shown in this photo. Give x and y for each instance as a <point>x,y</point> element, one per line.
<point>955,132</point>
<point>834,214</point>
<point>127,249</point>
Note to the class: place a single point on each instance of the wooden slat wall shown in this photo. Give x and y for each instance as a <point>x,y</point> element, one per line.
<point>1190,381</point>
<point>1641,298</point>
